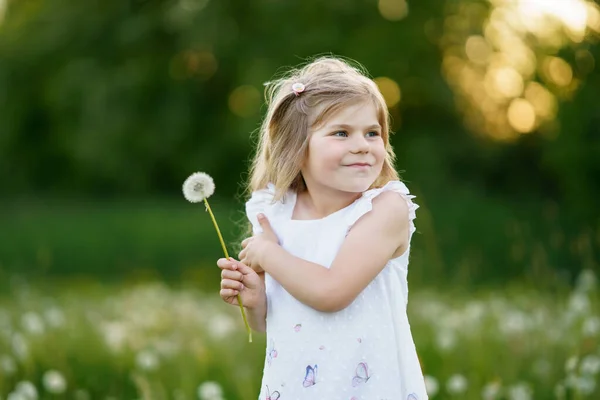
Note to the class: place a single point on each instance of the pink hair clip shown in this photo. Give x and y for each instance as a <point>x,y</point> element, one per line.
<point>298,88</point>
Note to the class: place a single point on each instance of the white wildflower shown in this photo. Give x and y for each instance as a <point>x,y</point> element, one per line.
<point>16,396</point>
<point>560,391</point>
<point>591,326</point>
<point>54,382</point>
<point>431,385</point>
<point>586,281</point>
<point>55,317</point>
<point>27,390</point>
<point>115,335</point>
<point>33,323</point>
<point>445,340</point>
<point>514,322</point>
<point>456,384</point>
<point>19,346</point>
<point>519,391</point>
<point>7,365</point>
<point>221,325</point>
<point>147,360</point>
<point>590,365</point>
<point>491,391</point>
<point>198,187</point>
<point>579,303</point>
<point>210,390</point>
<point>571,363</point>
<point>585,385</point>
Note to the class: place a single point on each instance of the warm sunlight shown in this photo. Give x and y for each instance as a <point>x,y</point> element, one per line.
<point>501,59</point>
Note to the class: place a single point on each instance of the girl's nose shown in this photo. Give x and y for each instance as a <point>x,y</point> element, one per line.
<point>360,144</point>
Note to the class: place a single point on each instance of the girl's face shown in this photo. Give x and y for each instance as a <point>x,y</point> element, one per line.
<point>347,138</point>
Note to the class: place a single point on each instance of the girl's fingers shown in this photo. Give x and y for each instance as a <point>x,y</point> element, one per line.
<point>225,293</point>
<point>226,263</point>
<point>231,284</point>
<point>229,274</point>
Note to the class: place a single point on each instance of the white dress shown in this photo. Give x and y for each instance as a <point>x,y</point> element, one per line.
<point>363,352</point>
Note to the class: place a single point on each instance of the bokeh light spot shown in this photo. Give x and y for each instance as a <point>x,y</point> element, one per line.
<point>393,10</point>
<point>593,17</point>
<point>521,115</point>
<point>544,103</point>
<point>506,81</point>
<point>244,101</point>
<point>558,71</point>
<point>389,89</point>
<point>477,49</point>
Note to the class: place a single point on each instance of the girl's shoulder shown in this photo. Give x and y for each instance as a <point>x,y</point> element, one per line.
<point>365,203</point>
<point>263,201</point>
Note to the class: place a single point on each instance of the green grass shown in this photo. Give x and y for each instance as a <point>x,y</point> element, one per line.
<point>157,341</point>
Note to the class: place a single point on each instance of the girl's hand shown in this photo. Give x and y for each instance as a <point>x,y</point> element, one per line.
<point>237,278</point>
<point>255,247</point>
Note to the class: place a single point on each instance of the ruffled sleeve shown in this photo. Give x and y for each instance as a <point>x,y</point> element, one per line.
<point>365,203</point>
<point>261,201</point>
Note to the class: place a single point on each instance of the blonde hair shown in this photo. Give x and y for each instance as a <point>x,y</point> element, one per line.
<point>330,84</point>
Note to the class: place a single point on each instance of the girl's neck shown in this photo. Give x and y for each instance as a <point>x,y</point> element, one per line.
<point>310,205</point>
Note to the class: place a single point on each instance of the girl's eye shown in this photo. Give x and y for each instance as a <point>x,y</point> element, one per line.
<point>371,133</point>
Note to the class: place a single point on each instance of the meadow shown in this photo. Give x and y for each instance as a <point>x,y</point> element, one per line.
<point>81,339</point>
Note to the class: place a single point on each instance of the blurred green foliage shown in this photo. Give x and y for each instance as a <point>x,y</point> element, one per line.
<point>122,100</point>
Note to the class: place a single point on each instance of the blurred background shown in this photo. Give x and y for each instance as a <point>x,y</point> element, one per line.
<point>109,287</point>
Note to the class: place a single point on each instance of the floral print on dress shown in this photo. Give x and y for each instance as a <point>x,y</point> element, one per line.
<point>361,374</point>
<point>271,352</point>
<point>272,396</point>
<point>310,379</point>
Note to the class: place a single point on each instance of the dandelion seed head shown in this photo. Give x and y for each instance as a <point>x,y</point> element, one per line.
<point>147,360</point>
<point>27,390</point>
<point>32,323</point>
<point>54,382</point>
<point>432,385</point>
<point>457,384</point>
<point>8,365</point>
<point>198,187</point>
<point>491,391</point>
<point>520,391</point>
<point>590,365</point>
<point>210,390</point>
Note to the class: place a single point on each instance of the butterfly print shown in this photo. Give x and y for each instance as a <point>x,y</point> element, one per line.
<point>271,352</point>
<point>412,396</point>
<point>362,374</point>
<point>297,327</point>
<point>311,376</point>
<point>272,396</point>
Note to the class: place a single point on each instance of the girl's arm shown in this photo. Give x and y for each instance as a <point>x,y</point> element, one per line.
<point>257,316</point>
<point>368,247</point>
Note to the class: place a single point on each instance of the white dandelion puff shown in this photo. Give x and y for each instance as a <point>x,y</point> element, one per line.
<point>210,390</point>
<point>147,360</point>
<point>19,346</point>
<point>27,390</point>
<point>32,323</point>
<point>520,391</point>
<point>8,365</point>
<point>197,187</point>
<point>491,391</point>
<point>590,365</point>
<point>457,384</point>
<point>54,382</point>
<point>431,385</point>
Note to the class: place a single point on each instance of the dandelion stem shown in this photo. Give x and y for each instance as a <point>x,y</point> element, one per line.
<point>239,299</point>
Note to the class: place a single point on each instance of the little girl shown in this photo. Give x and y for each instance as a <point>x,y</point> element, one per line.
<point>325,274</point>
